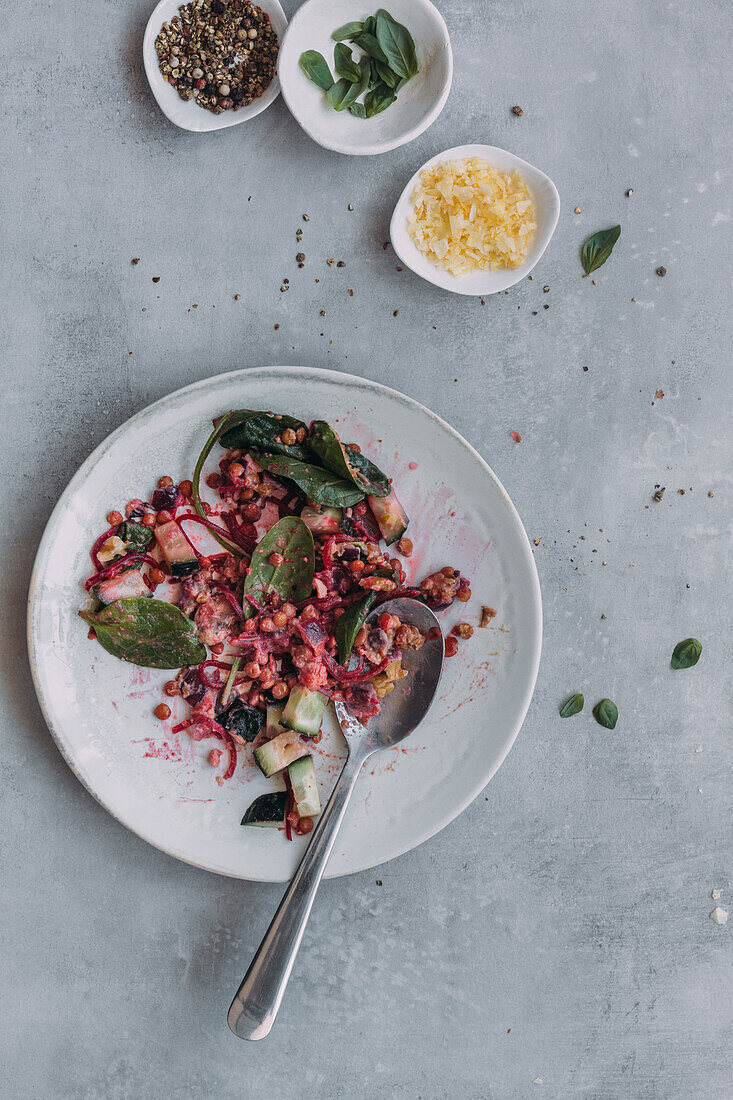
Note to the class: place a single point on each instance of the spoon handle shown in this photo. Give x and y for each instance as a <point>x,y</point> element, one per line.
<point>255,1006</point>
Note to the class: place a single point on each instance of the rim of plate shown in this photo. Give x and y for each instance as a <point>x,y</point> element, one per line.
<point>185,113</point>
<point>302,373</point>
<point>419,264</point>
<point>375,147</point>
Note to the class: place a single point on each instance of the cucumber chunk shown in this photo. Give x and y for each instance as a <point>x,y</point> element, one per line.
<point>267,811</point>
<point>323,521</point>
<point>177,550</point>
<point>275,755</point>
<point>304,710</point>
<point>391,517</point>
<point>302,776</point>
<point>127,584</point>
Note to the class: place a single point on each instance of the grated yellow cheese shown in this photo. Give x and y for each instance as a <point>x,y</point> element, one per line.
<point>468,216</point>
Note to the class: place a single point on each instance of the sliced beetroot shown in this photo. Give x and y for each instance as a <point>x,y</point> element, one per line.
<point>166,499</point>
<point>241,719</point>
<point>314,634</point>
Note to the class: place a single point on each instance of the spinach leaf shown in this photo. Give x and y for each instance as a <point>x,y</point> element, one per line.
<point>293,579</point>
<point>325,443</point>
<point>340,96</point>
<point>345,63</point>
<point>378,100</point>
<point>573,705</point>
<point>231,419</point>
<point>606,713</point>
<point>349,625</point>
<point>319,485</point>
<point>376,484</point>
<point>385,74</point>
<point>349,30</point>
<point>315,67</point>
<point>599,247</point>
<point>369,44</point>
<point>358,110</point>
<point>147,632</point>
<point>137,537</point>
<point>686,653</point>
<point>397,45</point>
<point>262,431</point>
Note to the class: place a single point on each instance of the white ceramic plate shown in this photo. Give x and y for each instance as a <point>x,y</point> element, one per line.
<point>161,786</point>
<point>186,113</point>
<point>547,212</point>
<point>418,104</point>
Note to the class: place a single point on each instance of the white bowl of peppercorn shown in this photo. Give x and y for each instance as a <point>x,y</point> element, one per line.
<point>213,63</point>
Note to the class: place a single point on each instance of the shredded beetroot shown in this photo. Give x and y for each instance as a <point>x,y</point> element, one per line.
<point>203,675</point>
<point>244,534</point>
<point>204,523</point>
<point>211,728</point>
<point>118,566</point>
<point>361,529</point>
<point>314,634</point>
<point>252,601</point>
<point>328,547</point>
<point>353,675</point>
<point>100,542</point>
<point>399,594</point>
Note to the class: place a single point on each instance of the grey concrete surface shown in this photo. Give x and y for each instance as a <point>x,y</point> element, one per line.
<point>554,940</point>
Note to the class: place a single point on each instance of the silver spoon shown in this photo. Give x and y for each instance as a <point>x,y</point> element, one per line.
<point>253,1010</point>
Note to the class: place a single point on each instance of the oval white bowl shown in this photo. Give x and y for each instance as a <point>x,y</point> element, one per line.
<point>547,212</point>
<point>186,113</point>
<point>418,104</point>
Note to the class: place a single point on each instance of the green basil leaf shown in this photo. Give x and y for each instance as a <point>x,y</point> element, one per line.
<point>599,247</point>
<point>370,25</point>
<point>386,75</point>
<point>686,653</point>
<point>369,44</point>
<point>378,100</point>
<point>397,45</point>
<point>321,486</point>
<point>573,705</point>
<point>326,444</point>
<point>315,67</point>
<point>375,483</point>
<point>606,713</point>
<point>263,432</point>
<point>137,537</point>
<point>349,625</point>
<point>293,580</point>
<point>345,64</point>
<point>358,110</point>
<point>147,632</point>
<point>339,95</point>
<point>347,31</point>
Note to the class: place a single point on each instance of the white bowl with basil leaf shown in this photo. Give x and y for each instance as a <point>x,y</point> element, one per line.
<point>363,80</point>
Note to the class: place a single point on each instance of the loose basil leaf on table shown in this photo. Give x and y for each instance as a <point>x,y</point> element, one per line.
<point>349,625</point>
<point>315,67</point>
<point>606,713</point>
<point>573,705</point>
<point>378,100</point>
<point>293,579</point>
<point>147,632</point>
<point>599,247</point>
<point>137,537</point>
<point>349,30</point>
<point>686,653</point>
<point>319,485</point>
<point>325,442</point>
<point>396,44</point>
<point>345,63</point>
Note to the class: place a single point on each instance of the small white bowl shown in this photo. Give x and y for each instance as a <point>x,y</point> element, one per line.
<point>547,211</point>
<point>418,104</point>
<point>186,113</point>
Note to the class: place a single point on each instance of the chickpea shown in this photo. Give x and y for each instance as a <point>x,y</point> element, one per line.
<point>149,519</point>
<point>300,435</point>
<point>133,506</point>
<point>405,547</point>
<point>164,482</point>
<point>252,670</point>
<point>164,517</point>
<point>267,626</point>
<point>114,519</point>
<point>247,494</point>
<point>236,469</point>
<point>217,649</point>
<point>448,571</point>
<point>279,690</point>
<point>290,610</point>
<point>157,576</point>
<point>356,566</point>
<point>171,688</point>
<point>276,558</point>
<point>162,711</point>
<point>289,437</point>
<point>463,630</point>
<point>463,595</point>
<point>186,488</point>
<point>250,626</point>
<point>279,620</point>
<point>251,512</point>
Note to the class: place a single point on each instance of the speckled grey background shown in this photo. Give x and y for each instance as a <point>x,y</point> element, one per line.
<point>554,940</point>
